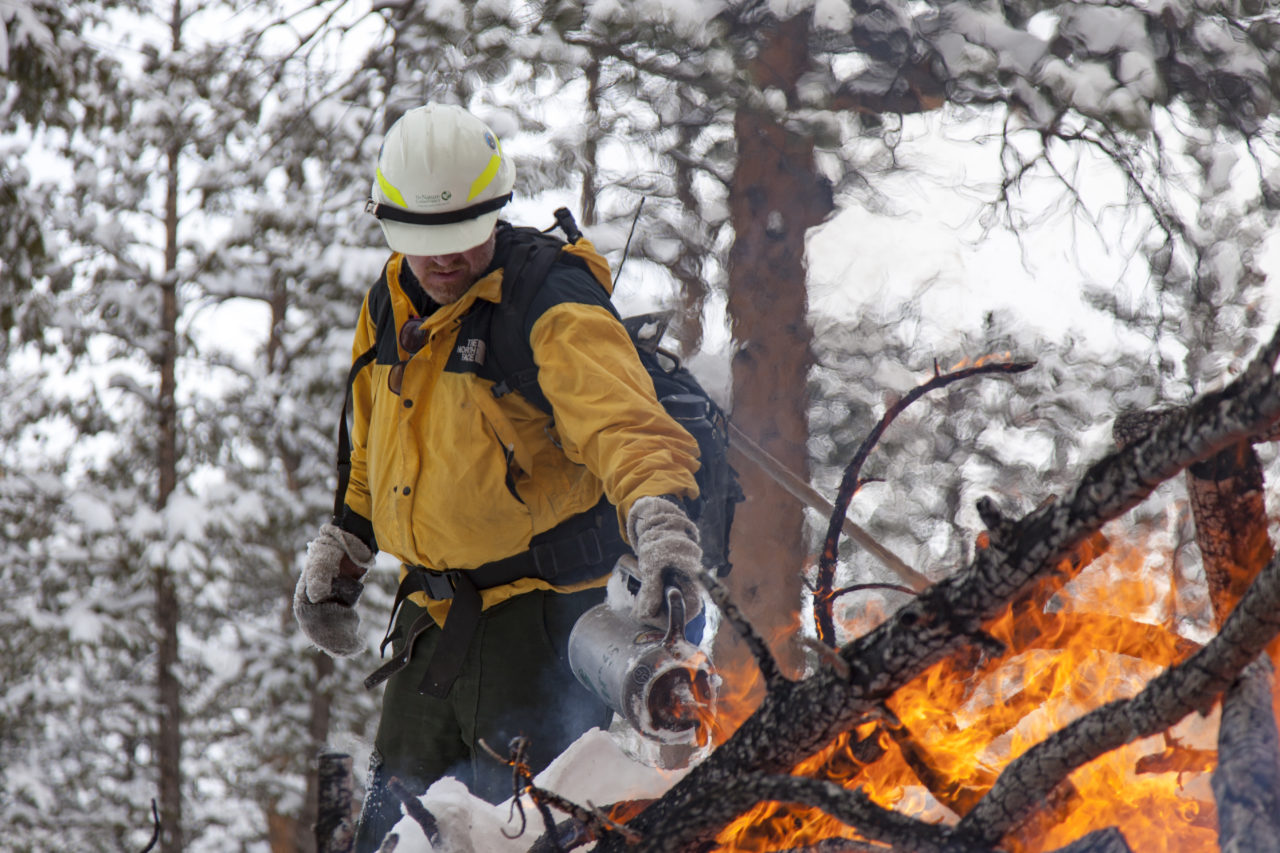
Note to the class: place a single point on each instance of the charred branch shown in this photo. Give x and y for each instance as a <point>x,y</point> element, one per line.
<point>587,825</point>
<point>823,598</point>
<point>852,807</point>
<point>414,808</point>
<point>1225,492</point>
<point>1231,522</point>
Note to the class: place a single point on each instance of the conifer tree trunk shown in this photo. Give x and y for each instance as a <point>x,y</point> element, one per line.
<point>297,833</point>
<point>591,146</point>
<point>688,266</point>
<point>168,747</point>
<point>774,197</point>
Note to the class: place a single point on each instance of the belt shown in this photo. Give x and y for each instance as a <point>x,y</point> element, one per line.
<point>578,549</point>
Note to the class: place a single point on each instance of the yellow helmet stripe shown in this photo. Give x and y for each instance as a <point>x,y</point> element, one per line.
<point>486,177</point>
<point>393,195</point>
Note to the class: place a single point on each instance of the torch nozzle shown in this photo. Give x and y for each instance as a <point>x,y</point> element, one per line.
<point>680,700</point>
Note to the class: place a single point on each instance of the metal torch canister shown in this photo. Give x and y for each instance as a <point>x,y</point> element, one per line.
<point>661,683</point>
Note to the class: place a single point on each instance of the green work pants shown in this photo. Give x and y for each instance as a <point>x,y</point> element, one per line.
<point>515,682</point>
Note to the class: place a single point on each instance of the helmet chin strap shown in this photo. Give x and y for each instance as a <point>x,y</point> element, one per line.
<point>448,217</point>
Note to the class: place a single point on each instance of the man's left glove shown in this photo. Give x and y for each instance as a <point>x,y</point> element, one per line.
<point>665,540</point>
<point>324,600</point>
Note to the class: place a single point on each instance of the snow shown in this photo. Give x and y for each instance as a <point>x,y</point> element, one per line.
<point>26,29</point>
<point>595,770</point>
<point>690,19</point>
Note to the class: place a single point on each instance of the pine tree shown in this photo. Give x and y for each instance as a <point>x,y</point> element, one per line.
<point>157,181</point>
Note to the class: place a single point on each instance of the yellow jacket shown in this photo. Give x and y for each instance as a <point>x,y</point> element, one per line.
<point>452,477</point>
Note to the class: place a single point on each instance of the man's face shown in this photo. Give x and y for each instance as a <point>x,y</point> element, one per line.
<point>446,277</point>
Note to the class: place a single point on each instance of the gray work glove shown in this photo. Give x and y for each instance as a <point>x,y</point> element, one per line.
<point>667,554</point>
<point>324,600</point>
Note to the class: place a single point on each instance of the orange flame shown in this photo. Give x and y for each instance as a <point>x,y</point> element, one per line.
<point>1073,647</point>
<point>981,361</point>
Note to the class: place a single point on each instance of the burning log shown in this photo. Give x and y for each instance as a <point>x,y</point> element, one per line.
<point>1226,498</point>
<point>797,719</point>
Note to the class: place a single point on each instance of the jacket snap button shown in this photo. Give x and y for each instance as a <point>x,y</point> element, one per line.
<point>407,490</point>
<point>408,404</point>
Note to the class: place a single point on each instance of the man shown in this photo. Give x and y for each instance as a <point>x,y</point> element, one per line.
<point>507,520</point>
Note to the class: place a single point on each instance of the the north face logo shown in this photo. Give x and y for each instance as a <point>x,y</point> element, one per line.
<point>471,352</point>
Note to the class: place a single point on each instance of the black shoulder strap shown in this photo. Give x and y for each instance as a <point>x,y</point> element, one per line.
<point>524,271</point>
<point>344,433</point>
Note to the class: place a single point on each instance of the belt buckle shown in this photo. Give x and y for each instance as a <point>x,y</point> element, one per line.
<point>592,549</point>
<point>439,585</point>
<point>544,560</point>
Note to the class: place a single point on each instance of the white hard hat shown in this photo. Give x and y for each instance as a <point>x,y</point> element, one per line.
<point>441,178</point>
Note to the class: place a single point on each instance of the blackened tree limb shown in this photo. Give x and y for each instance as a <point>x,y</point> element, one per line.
<point>1225,493</point>
<point>796,719</point>
<point>851,807</point>
<point>414,808</point>
<point>1246,783</point>
<point>1190,686</point>
<point>823,596</point>
<point>1226,498</point>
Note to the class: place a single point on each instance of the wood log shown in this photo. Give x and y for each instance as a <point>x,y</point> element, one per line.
<point>1231,522</point>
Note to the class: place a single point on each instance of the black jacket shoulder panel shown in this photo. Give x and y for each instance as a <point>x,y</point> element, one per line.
<point>569,280</point>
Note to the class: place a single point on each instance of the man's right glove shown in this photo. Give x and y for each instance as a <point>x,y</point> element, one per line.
<point>667,554</point>
<point>324,600</point>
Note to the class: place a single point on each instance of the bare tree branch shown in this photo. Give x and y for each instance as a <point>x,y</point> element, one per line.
<point>823,597</point>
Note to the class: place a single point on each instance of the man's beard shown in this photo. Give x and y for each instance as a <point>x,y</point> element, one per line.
<point>447,291</point>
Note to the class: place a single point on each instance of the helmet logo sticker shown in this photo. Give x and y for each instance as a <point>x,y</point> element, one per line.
<point>429,199</point>
<point>490,141</point>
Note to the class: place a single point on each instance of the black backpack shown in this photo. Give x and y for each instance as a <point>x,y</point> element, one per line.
<point>508,362</point>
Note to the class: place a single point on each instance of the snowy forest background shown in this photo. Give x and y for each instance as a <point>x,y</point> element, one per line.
<point>183,252</point>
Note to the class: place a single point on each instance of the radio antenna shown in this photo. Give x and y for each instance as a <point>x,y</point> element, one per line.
<point>627,248</point>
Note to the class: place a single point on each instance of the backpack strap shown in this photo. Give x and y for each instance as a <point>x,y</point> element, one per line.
<point>344,433</point>
<point>524,272</point>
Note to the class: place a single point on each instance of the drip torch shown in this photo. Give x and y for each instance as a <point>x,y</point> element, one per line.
<point>650,674</point>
